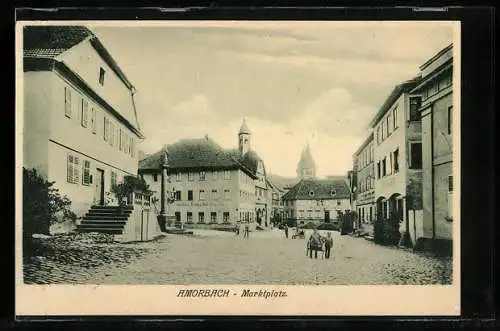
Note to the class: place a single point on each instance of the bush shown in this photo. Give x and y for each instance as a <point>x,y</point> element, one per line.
<point>328,226</point>
<point>130,184</point>
<point>42,205</point>
<point>309,225</point>
<point>386,231</point>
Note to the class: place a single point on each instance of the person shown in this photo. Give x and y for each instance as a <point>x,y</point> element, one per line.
<point>328,244</point>
<point>237,229</point>
<point>314,244</point>
<point>246,234</point>
<point>286,231</point>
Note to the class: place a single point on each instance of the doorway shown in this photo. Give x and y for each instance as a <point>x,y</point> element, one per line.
<point>327,216</point>
<point>99,187</point>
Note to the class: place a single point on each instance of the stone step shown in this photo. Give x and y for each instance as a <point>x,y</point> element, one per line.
<point>112,208</point>
<point>106,217</point>
<point>109,212</point>
<point>103,223</point>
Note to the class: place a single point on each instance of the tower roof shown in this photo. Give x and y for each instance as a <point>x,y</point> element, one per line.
<point>306,160</point>
<point>244,127</point>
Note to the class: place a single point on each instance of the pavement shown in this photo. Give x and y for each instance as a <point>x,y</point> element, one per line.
<point>217,257</point>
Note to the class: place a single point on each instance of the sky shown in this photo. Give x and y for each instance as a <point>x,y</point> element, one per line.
<point>294,82</point>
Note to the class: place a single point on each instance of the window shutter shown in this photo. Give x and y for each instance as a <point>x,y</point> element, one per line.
<point>69,168</point>
<point>76,170</point>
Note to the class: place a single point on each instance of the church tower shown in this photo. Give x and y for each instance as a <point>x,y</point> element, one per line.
<point>306,168</point>
<point>244,136</point>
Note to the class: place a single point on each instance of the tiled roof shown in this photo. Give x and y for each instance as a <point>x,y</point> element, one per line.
<point>52,40</point>
<point>187,154</point>
<point>322,189</point>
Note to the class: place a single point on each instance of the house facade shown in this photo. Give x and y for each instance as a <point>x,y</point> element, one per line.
<point>80,122</point>
<point>365,185</point>
<point>209,184</point>
<point>316,200</point>
<point>397,157</point>
<point>437,144</point>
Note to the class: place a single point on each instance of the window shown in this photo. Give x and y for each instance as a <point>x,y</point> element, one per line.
<point>450,184</point>
<point>132,147</point>
<point>311,193</point>
<point>379,134</point>
<point>85,113</point>
<point>215,195</point>
<point>189,218</point>
<point>190,195</point>
<point>415,155</point>
<point>395,118</point>
<point>155,177</point>
<point>384,132</point>
<point>111,133</point>
<point>67,101</point>
<point>338,202</point>
<point>178,176</point>
<point>396,160</point>
<point>202,175</point>
<point>113,178</point>
<point>388,124</point>
<point>202,195</point>
<point>450,119</point>
<point>225,217</point>
<point>73,171</point>
<point>93,123</point>
<point>415,108</point>
<point>378,169</point>
<point>333,193</point>
<point>86,173</point>
<point>102,72</point>
<point>214,175</point>
<point>213,217</point>
<point>191,176</point>
<point>106,129</point>
<point>227,194</point>
<point>178,196</point>
<point>384,166</point>
<point>120,137</point>
<point>201,217</point>
<point>227,174</point>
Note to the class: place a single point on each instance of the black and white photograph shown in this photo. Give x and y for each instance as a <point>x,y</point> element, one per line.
<point>203,155</point>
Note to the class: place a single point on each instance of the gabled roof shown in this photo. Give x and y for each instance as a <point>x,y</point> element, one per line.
<point>322,189</point>
<point>194,154</point>
<point>50,41</point>
<point>399,89</point>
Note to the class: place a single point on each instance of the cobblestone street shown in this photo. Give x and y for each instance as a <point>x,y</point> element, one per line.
<point>223,258</point>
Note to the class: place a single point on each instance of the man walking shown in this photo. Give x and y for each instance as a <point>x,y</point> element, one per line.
<point>286,231</point>
<point>328,244</point>
<point>314,244</point>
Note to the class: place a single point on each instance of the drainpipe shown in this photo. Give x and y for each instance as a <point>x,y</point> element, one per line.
<point>432,177</point>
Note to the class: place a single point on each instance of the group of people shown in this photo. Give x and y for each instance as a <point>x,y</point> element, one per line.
<point>316,242</point>
<point>246,231</point>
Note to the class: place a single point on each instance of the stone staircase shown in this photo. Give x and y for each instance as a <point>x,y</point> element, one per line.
<point>105,219</point>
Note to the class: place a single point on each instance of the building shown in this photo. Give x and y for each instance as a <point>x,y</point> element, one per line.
<point>397,156</point>
<point>306,168</point>
<point>276,202</point>
<point>365,185</point>
<point>316,200</point>
<point>436,112</point>
<point>212,185</point>
<point>80,122</point>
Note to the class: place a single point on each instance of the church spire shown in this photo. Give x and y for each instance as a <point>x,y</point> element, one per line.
<point>244,138</point>
<point>306,168</point>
